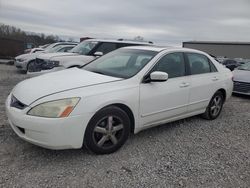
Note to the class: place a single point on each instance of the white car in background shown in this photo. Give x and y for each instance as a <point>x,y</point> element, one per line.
<point>123,92</point>
<point>22,61</point>
<point>83,53</point>
<point>33,50</point>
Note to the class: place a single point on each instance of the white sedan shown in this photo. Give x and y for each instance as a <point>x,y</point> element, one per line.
<point>123,92</point>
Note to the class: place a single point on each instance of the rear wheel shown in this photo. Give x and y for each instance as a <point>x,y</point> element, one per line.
<point>214,107</point>
<point>107,131</point>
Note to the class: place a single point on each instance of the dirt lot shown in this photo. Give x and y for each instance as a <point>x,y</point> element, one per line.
<point>188,153</point>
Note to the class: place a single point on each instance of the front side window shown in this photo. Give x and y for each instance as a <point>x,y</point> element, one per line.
<point>122,63</point>
<point>84,47</point>
<point>173,64</point>
<point>106,47</point>
<point>55,49</point>
<point>64,49</point>
<point>199,64</point>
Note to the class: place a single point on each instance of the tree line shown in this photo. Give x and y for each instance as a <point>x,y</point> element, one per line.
<point>14,33</point>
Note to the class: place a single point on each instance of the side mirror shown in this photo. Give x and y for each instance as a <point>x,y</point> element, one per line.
<point>98,54</point>
<point>156,76</point>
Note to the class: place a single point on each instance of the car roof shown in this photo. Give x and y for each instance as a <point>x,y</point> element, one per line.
<point>123,41</point>
<point>161,48</point>
<point>65,43</point>
<point>70,45</point>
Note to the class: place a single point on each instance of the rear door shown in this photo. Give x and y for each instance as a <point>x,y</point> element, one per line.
<point>204,81</point>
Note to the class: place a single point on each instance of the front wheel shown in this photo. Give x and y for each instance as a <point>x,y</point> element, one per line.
<point>107,131</point>
<point>214,107</point>
<point>31,67</point>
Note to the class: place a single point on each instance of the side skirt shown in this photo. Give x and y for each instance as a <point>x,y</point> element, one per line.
<point>137,130</point>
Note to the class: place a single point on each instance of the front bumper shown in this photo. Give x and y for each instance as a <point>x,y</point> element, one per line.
<point>51,133</point>
<point>241,93</point>
<point>242,88</point>
<point>20,64</point>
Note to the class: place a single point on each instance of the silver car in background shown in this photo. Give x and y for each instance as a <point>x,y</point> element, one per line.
<point>242,79</point>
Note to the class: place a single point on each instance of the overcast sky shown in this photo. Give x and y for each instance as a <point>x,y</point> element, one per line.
<point>162,21</point>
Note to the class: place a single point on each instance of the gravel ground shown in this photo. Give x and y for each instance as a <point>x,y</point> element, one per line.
<point>187,153</point>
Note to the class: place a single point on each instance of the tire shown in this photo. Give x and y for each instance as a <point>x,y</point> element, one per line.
<point>107,131</point>
<point>214,107</point>
<point>30,66</point>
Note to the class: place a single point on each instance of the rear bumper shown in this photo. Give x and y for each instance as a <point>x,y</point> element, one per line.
<point>51,133</point>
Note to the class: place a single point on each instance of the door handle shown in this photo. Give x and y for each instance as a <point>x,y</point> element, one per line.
<point>215,78</point>
<point>184,84</point>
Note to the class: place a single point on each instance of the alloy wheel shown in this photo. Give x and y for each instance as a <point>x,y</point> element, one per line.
<point>216,105</point>
<point>108,132</point>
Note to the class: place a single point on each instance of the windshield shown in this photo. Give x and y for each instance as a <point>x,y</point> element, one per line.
<point>49,46</point>
<point>55,49</point>
<point>84,47</point>
<point>122,63</point>
<point>245,66</point>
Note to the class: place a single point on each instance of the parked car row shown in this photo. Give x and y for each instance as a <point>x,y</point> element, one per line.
<point>129,89</point>
<point>241,73</point>
<point>81,54</point>
<point>22,62</point>
<point>232,63</point>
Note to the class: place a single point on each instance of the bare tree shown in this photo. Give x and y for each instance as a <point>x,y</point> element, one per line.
<point>139,38</point>
<point>37,39</point>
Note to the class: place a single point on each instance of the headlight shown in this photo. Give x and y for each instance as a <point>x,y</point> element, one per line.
<point>55,109</point>
<point>20,60</point>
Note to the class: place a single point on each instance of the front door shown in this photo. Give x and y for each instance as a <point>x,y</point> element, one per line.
<point>160,101</point>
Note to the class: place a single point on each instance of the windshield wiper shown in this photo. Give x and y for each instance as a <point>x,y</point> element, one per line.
<point>98,72</point>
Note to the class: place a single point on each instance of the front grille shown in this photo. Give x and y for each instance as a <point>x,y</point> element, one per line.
<point>36,66</point>
<point>16,103</point>
<point>39,61</point>
<point>41,64</point>
<point>243,87</point>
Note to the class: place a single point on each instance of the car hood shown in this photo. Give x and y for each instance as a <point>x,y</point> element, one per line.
<point>241,75</point>
<point>79,59</point>
<point>35,88</point>
<point>56,54</point>
<point>28,56</point>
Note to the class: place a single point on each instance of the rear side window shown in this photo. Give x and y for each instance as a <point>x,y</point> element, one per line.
<point>106,47</point>
<point>199,64</point>
<point>173,64</point>
<point>212,66</point>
